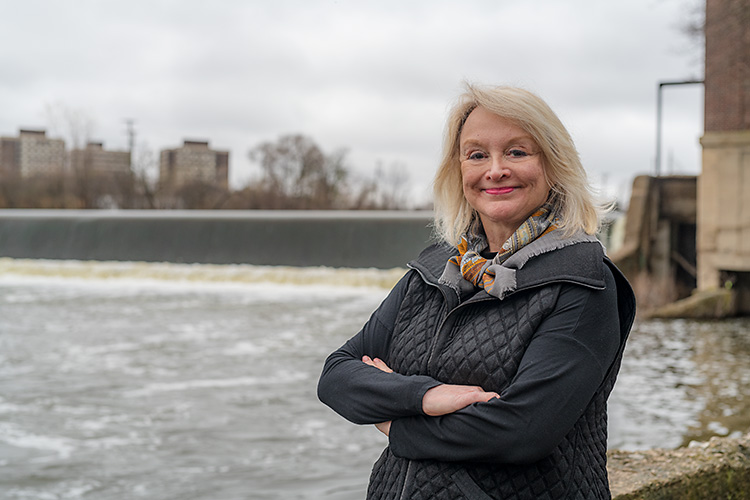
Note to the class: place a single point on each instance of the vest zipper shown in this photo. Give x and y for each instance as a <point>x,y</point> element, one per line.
<point>445,313</point>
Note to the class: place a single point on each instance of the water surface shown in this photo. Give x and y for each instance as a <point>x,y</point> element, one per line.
<point>122,381</point>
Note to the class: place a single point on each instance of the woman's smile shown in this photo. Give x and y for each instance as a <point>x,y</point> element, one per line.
<point>499,190</point>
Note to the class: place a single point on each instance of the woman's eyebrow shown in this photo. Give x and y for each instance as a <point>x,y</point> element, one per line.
<point>471,142</point>
<point>519,139</point>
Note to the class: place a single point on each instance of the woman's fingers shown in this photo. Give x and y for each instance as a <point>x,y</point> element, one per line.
<point>377,363</point>
<point>447,398</point>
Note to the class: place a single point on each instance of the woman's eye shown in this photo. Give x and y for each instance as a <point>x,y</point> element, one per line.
<point>517,153</point>
<point>477,155</point>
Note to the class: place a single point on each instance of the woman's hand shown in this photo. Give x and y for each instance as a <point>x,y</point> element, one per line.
<point>448,398</point>
<point>377,363</point>
<point>441,399</point>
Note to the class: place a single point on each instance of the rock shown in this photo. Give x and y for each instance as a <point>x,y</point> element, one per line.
<point>717,469</point>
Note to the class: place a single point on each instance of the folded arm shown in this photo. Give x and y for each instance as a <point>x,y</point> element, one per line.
<point>439,400</point>
<point>365,394</point>
<point>560,372</point>
<point>360,386</point>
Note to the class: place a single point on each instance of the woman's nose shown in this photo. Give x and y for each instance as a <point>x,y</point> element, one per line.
<point>497,170</point>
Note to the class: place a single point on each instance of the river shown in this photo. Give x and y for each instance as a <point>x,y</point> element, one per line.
<point>158,381</point>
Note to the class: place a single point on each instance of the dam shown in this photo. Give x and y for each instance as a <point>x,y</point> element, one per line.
<point>354,239</point>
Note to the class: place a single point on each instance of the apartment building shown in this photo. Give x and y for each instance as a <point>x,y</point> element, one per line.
<point>96,160</point>
<point>31,153</point>
<point>194,161</point>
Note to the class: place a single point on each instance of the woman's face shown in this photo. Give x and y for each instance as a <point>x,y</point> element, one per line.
<point>502,172</point>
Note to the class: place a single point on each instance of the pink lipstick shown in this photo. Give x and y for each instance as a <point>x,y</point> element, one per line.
<point>500,190</point>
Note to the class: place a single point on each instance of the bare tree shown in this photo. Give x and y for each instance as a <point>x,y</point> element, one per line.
<point>76,127</point>
<point>385,189</point>
<point>145,165</point>
<point>11,190</point>
<point>201,195</point>
<point>392,185</point>
<point>46,190</point>
<point>693,25</point>
<point>72,124</point>
<point>296,173</point>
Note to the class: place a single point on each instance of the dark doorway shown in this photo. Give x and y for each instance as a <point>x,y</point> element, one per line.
<point>684,258</point>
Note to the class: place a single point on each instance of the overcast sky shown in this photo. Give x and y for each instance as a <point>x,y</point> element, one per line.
<point>375,77</point>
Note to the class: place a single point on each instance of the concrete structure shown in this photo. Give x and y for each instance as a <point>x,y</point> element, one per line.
<point>659,252</point>
<point>95,160</point>
<point>682,234</point>
<point>723,208</point>
<point>31,153</point>
<point>194,161</point>
<point>363,239</point>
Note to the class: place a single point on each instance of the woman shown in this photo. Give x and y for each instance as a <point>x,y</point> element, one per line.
<point>489,364</point>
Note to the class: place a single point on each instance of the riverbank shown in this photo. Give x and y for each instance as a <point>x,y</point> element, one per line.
<point>718,468</point>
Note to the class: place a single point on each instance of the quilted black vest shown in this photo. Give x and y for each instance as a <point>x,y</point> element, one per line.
<point>481,343</point>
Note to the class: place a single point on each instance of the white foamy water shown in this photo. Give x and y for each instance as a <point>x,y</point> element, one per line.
<point>160,381</point>
<point>198,273</point>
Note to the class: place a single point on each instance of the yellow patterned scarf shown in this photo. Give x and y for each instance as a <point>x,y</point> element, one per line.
<point>474,267</point>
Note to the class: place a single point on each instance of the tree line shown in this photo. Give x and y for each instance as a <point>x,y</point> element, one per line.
<point>295,173</point>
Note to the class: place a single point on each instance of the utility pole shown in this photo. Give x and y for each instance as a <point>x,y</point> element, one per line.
<point>131,139</point>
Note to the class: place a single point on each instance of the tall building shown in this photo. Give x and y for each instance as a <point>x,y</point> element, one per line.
<point>194,161</point>
<point>8,155</point>
<point>31,153</point>
<point>724,183</point>
<point>95,160</point>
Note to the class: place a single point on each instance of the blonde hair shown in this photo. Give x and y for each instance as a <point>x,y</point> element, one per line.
<point>563,170</point>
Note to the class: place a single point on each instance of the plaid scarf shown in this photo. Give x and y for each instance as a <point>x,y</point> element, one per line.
<point>476,269</point>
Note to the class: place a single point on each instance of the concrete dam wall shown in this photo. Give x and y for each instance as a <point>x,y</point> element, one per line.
<point>358,239</point>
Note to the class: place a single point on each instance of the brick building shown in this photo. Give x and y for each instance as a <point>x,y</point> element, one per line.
<point>95,160</point>
<point>194,161</point>
<point>727,100</point>
<point>723,238</point>
<point>31,153</point>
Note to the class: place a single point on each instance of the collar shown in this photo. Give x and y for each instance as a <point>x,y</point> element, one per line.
<point>551,258</point>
